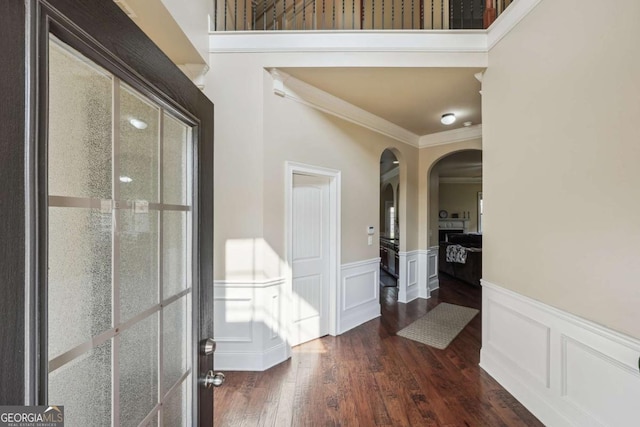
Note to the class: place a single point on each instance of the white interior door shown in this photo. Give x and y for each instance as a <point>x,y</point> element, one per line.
<point>120,256</point>
<point>310,250</point>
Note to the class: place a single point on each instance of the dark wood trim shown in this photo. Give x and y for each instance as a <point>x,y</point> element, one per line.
<point>12,203</point>
<point>101,31</point>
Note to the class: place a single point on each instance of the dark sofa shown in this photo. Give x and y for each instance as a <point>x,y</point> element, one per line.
<point>471,270</point>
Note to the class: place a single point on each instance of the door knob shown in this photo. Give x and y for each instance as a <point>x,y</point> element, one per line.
<point>213,379</point>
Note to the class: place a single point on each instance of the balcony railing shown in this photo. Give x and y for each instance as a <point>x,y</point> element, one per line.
<point>296,15</point>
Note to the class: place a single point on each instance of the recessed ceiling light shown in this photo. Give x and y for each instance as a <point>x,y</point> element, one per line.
<point>138,124</point>
<point>396,162</point>
<point>125,179</point>
<point>467,124</point>
<point>448,118</point>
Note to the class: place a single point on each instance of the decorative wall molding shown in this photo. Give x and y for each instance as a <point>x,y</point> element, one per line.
<point>409,278</point>
<point>359,293</point>
<point>451,136</point>
<point>432,269</point>
<point>289,87</point>
<point>566,370</point>
<point>508,19</point>
<point>423,273</point>
<point>249,324</point>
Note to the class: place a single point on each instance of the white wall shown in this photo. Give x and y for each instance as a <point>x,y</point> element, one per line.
<point>561,151</point>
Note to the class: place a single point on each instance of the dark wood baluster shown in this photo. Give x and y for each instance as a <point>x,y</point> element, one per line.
<point>462,14</point>
<point>333,15</point>
<point>253,14</point>
<point>295,18</point>
<point>353,14</point>
<point>433,24</point>
<point>244,16</point>
<point>383,14</point>
<point>323,11</point>
<point>315,18</point>
<point>422,14</point>
<point>442,14</point>
<point>235,15</point>
<point>402,13</point>
<point>373,13</point>
<point>393,14</point>
<point>274,16</point>
<point>284,14</point>
<point>343,14</point>
<point>304,14</point>
<point>362,14</point>
<point>412,16</point>
<point>264,15</point>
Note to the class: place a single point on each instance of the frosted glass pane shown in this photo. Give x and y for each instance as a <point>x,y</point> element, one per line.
<point>83,386</point>
<point>176,342</point>
<point>175,408</point>
<point>79,126</point>
<point>176,140</point>
<point>175,251</point>
<point>138,269</point>
<point>138,175</point>
<point>138,371</point>
<point>152,423</point>
<point>79,284</point>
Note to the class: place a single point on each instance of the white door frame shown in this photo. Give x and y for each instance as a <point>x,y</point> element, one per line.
<point>334,236</point>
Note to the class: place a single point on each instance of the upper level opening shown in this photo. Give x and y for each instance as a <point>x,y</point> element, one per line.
<point>335,15</point>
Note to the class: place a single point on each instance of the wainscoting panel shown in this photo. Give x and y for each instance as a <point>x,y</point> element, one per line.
<point>408,286</point>
<point>566,370</point>
<point>432,269</point>
<point>249,325</point>
<point>359,293</point>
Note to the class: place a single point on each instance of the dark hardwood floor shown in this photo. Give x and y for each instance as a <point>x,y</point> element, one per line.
<point>370,377</point>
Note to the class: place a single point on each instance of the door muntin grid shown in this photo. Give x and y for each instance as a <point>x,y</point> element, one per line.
<point>120,252</point>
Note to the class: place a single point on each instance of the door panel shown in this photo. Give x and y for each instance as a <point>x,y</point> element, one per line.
<point>310,318</point>
<point>83,318</point>
<point>136,323</point>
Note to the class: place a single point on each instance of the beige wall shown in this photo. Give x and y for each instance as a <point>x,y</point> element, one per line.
<point>461,198</point>
<point>296,132</point>
<point>256,132</point>
<point>561,153</point>
<point>429,187</point>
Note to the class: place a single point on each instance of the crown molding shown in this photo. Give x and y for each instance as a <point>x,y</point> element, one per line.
<point>289,87</point>
<point>451,136</point>
<point>460,180</point>
<point>508,19</point>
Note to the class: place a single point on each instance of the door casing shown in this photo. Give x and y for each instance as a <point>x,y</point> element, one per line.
<point>334,235</point>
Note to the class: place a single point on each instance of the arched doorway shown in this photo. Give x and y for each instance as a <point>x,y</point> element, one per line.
<point>455,208</point>
<point>389,224</point>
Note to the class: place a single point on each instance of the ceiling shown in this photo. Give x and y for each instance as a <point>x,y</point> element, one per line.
<point>412,98</point>
<point>463,164</point>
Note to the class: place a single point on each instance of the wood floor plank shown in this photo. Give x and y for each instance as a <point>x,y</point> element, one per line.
<point>369,376</point>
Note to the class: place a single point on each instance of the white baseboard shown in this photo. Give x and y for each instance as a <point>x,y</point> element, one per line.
<point>251,360</point>
<point>566,370</point>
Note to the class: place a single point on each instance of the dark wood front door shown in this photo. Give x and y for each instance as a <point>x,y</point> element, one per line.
<point>106,226</point>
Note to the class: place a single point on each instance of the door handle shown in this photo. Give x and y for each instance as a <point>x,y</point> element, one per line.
<point>213,380</point>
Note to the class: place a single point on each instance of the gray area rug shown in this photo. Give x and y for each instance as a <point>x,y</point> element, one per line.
<point>440,326</point>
